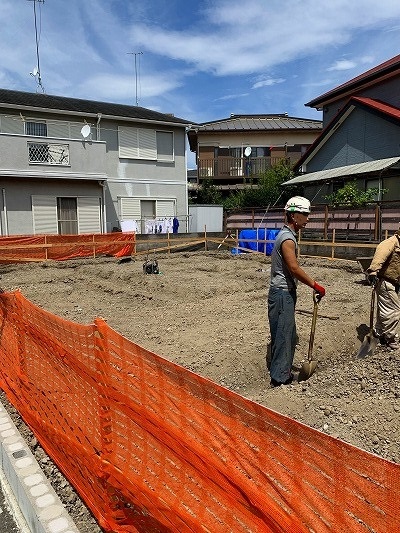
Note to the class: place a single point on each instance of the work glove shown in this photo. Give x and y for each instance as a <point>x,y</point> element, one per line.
<point>372,278</point>
<point>320,290</point>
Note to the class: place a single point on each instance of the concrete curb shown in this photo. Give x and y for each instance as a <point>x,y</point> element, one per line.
<point>40,506</point>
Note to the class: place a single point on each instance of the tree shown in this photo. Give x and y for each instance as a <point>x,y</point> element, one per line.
<point>266,192</point>
<point>351,196</point>
<point>208,193</point>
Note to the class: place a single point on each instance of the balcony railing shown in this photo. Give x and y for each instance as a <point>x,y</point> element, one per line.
<point>48,153</point>
<point>229,169</point>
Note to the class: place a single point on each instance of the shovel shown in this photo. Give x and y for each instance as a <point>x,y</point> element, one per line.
<point>309,367</point>
<point>370,341</point>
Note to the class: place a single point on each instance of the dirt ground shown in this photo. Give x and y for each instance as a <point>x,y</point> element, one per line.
<point>207,311</point>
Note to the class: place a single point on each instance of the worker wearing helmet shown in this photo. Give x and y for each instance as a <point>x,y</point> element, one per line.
<point>282,296</point>
<point>384,274</point>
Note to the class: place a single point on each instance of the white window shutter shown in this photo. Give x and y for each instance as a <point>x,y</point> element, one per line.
<point>147,144</point>
<point>130,209</point>
<point>44,213</point>
<point>128,142</point>
<point>165,208</point>
<point>89,219</point>
<point>137,143</point>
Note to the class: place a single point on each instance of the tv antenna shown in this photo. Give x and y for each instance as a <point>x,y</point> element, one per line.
<point>36,71</point>
<point>136,72</point>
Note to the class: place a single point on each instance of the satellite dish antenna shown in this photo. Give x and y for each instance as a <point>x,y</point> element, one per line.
<point>34,72</point>
<point>247,151</point>
<point>85,131</point>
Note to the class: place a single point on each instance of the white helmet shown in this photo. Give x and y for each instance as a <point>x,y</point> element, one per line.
<point>298,204</point>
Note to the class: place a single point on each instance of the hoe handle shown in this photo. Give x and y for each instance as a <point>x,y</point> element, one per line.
<point>313,324</point>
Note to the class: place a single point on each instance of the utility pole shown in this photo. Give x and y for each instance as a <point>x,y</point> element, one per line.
<point>36,72</point>
<point>136,72</point>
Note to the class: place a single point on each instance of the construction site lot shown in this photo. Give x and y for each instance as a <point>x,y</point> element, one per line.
<point>207,311</point>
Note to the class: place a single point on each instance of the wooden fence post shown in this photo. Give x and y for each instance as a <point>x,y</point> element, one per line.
<point>326,222</point>
<point>378,222</point>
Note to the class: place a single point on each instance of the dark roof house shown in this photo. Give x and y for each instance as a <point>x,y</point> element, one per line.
<point>50,104</point>
<point>72,166</point>
<point>360,138</point>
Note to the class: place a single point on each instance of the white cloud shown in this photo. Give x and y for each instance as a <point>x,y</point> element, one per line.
<point>231,97</point>
<point>195,51</point>
<point>342,64</point>
<point>267,83</point>
<point>122,88</point>
<point>239,40</point>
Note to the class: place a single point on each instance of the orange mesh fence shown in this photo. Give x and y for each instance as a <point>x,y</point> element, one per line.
<point>153,447</point>
<point>61,247</point>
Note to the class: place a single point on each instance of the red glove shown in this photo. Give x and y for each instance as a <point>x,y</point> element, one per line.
<point>320,290</point>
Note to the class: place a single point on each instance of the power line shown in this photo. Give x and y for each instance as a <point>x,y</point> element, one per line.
<point>36,72</point>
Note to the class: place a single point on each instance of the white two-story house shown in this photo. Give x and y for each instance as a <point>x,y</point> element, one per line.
<point>72,166</point>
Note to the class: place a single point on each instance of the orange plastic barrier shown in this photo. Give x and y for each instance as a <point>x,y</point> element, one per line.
<point>61,247</point>
<point>153,447</point>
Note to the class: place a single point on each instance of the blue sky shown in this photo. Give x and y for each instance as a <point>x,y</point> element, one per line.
<point>198,59</point>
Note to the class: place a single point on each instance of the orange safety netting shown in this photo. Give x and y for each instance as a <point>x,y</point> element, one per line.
<point>153,447</point>
<point>61,247</point>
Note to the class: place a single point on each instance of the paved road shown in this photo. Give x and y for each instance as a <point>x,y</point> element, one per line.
<point>11,519</point>
<point>7,520</point>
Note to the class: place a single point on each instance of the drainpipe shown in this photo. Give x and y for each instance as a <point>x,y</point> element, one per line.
<point>3,191</point>
<point>98,126</point>
<point>103,184</point>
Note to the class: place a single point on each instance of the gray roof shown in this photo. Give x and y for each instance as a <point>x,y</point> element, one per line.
<point>46,102</point>
<point>347,171</point>
<point>260,122</point>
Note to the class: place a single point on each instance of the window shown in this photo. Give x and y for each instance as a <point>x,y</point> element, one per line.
<point>227,152</point>
<point>165,145</point>
<point>67,214</point>
<point>260,151</point>
<point>337,185</point>
<point>51,154</point>
<point>374,184</point>
<point>143,143</point>
<point>137,143</point>
<point>36,129</point>
<point>38,152</point>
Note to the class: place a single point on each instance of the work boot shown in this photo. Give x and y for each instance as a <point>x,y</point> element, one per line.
<point>392,346</point>
<point>275,383</point>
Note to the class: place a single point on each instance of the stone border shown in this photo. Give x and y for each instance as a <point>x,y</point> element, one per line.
<point>39,504</point>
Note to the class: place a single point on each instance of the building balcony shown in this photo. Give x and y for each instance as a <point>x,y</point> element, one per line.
<point>235,170</point>
<point>24,154</point>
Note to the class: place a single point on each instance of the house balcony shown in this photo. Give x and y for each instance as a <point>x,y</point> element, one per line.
<point>46,155</point>
<point>235,170</point>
